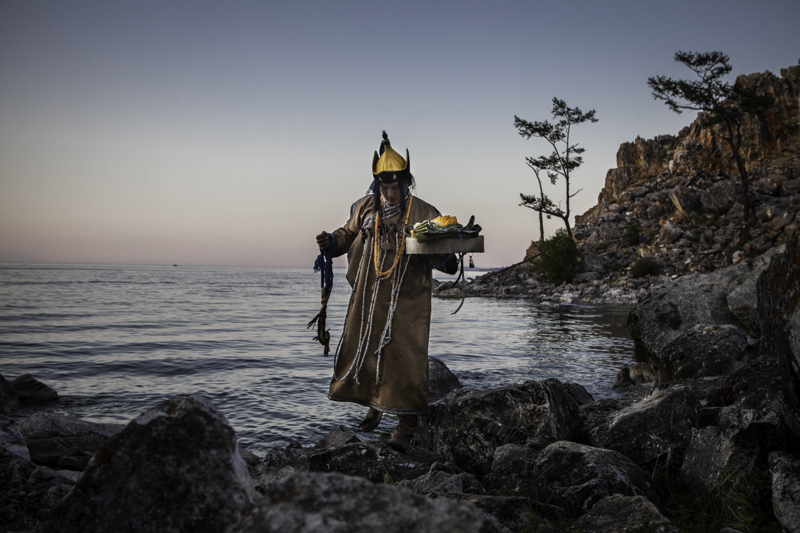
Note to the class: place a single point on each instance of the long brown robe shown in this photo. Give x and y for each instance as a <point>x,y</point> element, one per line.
<point>394,379</point>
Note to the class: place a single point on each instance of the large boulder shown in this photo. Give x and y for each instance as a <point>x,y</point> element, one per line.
<point>625,514</point>
<point>468,425</point>
<point>27,492</point>
<point>443,480</point>
<point>63,441</point>
<point>779,311</point>
<point>513,512</point>
<point>703,351</point>
<point>175,468</point>
<point>334,503</point>
<point>30,390</point>
<point>721,196</point>
<point>9,403</point>
<point>672,309</point>
<point>785,470</point>
<point>575,477</point>
<point>657,428</point>
<point>13,441</point>
<point>375,461</point>
<point>279,463</point>
<point>440,379</point>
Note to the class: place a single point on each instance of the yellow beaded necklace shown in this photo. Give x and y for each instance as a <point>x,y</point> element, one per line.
<point>384,275</point>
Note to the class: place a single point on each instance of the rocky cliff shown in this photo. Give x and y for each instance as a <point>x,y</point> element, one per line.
<point>681,195</point>
<point>674,206</point>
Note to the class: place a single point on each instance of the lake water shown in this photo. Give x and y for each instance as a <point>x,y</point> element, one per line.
<point>115,340</point>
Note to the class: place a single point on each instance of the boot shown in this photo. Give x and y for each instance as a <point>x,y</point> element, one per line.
<point>371,421</point>
<point>401,438</point>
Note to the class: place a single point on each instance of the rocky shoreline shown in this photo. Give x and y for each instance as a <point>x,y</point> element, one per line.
<point>710,411</point>
<point>712,401</point>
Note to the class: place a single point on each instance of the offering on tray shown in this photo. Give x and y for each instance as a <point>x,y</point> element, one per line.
<point>443,235</point>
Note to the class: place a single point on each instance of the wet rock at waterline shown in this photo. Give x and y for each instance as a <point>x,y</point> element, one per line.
<point>63,441</point>
<point>13,441</point>
<point>30,390</point>
<point>468,425</point>
<point>672,310</point>
<point>339,503</point>
<point>279,463</point>
<point>9,403</point>
<point>375,461</point>
<point>174,468</point>
<point>440,379</point>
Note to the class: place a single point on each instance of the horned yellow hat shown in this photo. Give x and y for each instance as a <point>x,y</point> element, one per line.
<point>390,165</point>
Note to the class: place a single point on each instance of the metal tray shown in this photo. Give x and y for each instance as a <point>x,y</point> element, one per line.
<point>447,245</point>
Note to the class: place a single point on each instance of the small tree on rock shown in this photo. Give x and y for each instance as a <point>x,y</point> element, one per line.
<point>564,159</point>
<point>721,104</point>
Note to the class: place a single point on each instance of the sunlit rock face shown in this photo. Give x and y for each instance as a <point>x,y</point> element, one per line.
<point>174,468</point>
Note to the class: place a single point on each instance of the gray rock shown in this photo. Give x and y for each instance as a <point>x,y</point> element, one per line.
<point>27,492</point>
<point>734,454</point>
<point>513,512</point>
<point>785,470</point>
<point>720,197</point>
<point>9,403</point>
<point>669,233</point>
<point>30,390</point>
<point>575,477</point>
<point>334,503</point>
<point>636,374</point>
<point>670,310</point>
<point>685,199</point>
<point>13,441</point>
<point>468,425</point>
<point>657,428</point>
<point>770,185</point>
<point>444,482</point>
<point>375,461</point>
<point>339,436</point>
<point>579,393</point>
<point>174,468</point>
<point>63,441</point>
<point>440,379</point>
<point>789,188</point>
<point>280,463</point>
<point>702,351</point>
<point>778,290</point>
<point>624,514</point>
<point>512,464</point>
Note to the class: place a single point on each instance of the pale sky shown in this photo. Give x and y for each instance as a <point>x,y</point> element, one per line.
<point>231,133</point>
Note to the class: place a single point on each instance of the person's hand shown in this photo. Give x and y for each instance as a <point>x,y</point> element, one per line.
<point>323,240</point>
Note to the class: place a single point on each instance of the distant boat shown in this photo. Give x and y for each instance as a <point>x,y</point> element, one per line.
<point>174,265</point>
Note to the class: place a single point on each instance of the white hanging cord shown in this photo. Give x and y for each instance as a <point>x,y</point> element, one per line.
<point>367,257</point>
<point>386,336</point>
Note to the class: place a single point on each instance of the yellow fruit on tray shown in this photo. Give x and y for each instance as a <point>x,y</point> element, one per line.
<point>445,220</point>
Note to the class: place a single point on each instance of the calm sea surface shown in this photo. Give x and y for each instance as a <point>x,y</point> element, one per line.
<point>115,340</point>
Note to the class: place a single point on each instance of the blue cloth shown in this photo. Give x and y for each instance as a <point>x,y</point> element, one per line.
<point>324,265</point>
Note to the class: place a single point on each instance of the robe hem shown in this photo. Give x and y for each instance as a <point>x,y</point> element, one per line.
<point>390,410</point>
